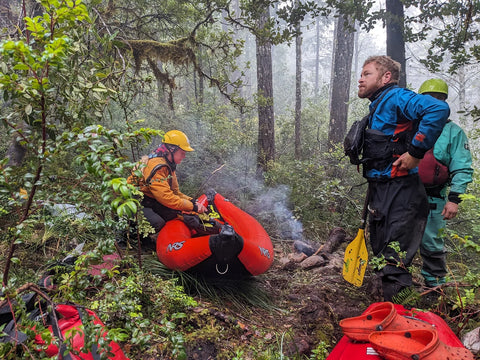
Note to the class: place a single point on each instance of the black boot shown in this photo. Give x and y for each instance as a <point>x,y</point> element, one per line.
<point>391,289</point>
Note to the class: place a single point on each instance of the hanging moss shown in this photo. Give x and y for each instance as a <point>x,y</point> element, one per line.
<point>177,52</point>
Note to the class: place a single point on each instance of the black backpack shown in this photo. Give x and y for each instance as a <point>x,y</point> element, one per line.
<point>353,142</point>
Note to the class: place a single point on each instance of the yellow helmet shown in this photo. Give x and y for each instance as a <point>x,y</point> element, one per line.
<point>434,86</point>
<point>176,137</point>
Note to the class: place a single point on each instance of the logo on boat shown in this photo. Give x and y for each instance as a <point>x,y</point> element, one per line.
<point>264,252</point>
<point>175,246</point>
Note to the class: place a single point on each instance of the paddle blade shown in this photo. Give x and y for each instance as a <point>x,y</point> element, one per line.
<point>355,260</point>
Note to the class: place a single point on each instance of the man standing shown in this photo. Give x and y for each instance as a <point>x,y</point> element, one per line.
<point>403,125</point>
<point>452,152</point>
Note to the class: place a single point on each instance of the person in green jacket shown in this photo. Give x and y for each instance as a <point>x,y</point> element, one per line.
<point>451,149</point>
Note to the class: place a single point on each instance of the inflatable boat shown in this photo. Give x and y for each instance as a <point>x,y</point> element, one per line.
<point>232,244</point>
<point>348,349</point>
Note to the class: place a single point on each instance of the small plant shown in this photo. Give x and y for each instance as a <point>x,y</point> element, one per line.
<point>379,262</point>
<point>320,352</point>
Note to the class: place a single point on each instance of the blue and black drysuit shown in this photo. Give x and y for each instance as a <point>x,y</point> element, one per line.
<point>452,150</point>
<point>398,207</point>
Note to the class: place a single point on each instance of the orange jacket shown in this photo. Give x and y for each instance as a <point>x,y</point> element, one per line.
<point>163,185</point>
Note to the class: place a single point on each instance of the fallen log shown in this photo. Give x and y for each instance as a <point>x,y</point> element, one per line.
<point>336,237</point>
<point>322,256</point>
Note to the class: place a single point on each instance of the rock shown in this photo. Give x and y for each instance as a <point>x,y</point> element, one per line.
<point>312,262</point>
<point>471,340</point>
<point>303,247</point>
<point>297,257</point>
<point>287,263</point>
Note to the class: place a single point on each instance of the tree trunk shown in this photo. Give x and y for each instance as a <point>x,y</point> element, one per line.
<point>6,17</point>
<point>317,56</point>
<point>266,120</point>
<point>395,38</point>
<point>298,93</point>
<point>340,81</point>
<point>201,83</point>
<point>465,121</point>
<point>356,53</point>
<point>15,152</point>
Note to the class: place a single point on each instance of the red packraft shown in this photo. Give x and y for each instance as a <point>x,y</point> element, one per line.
<point>70,322</point>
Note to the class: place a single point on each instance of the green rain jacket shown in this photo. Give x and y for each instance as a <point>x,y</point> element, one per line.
<point>452,150</point>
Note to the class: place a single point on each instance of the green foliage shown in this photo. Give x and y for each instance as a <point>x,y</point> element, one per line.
<point>282,27</point>
<point>65,75</point>
<point>323,195</point>
<point>320,352</point>
<point>145,309</point>
<point>379,262</point>
<point>453,23</point>
<point>139,307</point>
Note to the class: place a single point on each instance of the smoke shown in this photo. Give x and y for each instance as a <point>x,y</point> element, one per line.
<point>237,181</point>
<point>271,206</point>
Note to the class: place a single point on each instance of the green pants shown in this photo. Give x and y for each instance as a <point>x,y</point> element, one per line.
<point>432,248</point>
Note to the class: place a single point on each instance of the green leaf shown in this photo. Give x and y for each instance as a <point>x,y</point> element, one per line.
<point>28,109</point>
<point>132,205</point>
<point>21,66</point>
<point>125,191</point>
<point>124,210</point>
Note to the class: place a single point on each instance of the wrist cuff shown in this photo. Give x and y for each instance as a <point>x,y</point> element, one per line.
<point>416,152</point>
<point>454,197</point>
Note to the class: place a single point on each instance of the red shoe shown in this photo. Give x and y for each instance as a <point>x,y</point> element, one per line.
<point>380,317</point>
<point>416,344</point>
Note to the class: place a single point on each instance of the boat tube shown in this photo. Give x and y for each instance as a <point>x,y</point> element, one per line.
<point>238,246</point>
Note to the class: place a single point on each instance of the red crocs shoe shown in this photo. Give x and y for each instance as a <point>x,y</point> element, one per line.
<point>415,344</point>
<point>382,316</point>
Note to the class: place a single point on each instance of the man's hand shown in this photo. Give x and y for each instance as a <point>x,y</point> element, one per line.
<point>200,208</point>
<point>406,162</point>
<point>450,210</point>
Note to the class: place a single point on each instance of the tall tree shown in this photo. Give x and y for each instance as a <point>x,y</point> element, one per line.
<point>6,16</point>
<point>14,27</point>
<point>317,55</point>
<point>266,118</point>
<point>298,90</point>
<point>395,36</point>
<point>340,79</point>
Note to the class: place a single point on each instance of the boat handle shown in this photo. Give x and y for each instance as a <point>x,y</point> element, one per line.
<point>218,271</point>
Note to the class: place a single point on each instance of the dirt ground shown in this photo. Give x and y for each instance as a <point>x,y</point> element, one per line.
<point>309,303</point>
<point>316,298</point>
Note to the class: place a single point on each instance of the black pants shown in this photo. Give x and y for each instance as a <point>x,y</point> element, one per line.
<point>398,214</point>
<point>156,213</point>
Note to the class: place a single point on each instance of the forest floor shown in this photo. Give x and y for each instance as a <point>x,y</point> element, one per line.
<point>306,306</point>
<point>306,299</point>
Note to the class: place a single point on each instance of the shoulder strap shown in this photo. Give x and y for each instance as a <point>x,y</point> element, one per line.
<point>154,171</point>
<point>94,349</point>
<point>62,349</point>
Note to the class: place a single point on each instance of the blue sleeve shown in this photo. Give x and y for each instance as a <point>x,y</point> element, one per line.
<point>431,114</point>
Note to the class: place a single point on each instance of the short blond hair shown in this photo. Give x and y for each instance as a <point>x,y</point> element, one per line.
<point>386,63</point>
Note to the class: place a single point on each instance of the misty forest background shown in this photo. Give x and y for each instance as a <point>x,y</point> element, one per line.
<point>265,88</point>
